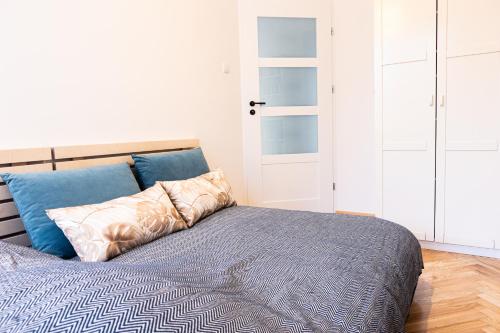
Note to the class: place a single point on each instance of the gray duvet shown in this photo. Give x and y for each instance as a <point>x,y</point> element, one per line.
<point>240,270</point>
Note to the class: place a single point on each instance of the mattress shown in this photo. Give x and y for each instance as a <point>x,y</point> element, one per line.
<point>242,269</point>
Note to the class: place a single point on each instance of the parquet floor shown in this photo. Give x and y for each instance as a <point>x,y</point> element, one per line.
<point>457,294</point>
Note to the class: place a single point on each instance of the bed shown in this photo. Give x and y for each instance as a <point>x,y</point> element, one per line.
<point>242,269</point>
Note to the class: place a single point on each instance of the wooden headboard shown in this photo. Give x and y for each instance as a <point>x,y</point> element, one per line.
<point>65,158</point>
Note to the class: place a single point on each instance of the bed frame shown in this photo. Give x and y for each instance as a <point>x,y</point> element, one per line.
<point>65,158</point>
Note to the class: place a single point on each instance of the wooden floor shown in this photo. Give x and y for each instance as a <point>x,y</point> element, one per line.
<point>457,294</point>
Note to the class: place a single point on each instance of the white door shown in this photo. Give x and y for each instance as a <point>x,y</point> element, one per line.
<point>468,201</point>
<point>286,59</point>
<point>408,114</point>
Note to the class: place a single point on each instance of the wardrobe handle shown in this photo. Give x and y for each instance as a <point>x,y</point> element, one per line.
<point>443,101</point>
<point>432,100</point>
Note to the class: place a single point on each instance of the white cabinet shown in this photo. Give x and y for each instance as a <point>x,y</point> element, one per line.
<point>440,119</point>
<point>468,196</point>
<point>473,26</point>
<point>409,30</point>
<point>408,116</point>
<point>408,147</point>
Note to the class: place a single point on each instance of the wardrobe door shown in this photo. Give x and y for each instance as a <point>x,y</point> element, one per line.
<point>408,112</point>
<point>469,123</point>
<point>473,27</point>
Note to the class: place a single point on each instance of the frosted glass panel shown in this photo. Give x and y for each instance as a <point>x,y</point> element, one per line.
<point>288,86</point>
<point>284,37</point>
<point>289,135</point>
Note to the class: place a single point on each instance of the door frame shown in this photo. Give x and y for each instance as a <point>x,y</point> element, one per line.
<point>379,106</point>
<point>247,154</point>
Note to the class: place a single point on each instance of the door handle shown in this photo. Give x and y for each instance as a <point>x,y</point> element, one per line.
<point>432,101</point>
<point>252,103</point>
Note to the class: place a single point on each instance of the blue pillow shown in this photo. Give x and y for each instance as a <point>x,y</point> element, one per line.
<point>177,165</point>
<point>33,193</point>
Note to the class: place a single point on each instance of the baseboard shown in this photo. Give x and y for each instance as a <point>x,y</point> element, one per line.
<point>344,212</point>
<point>475,251</point>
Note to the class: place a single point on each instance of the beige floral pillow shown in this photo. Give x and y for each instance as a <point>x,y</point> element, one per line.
<point>103,231</point>
<point>199,197</point>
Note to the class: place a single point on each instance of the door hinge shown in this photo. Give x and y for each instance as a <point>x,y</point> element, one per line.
<point>334,186</point>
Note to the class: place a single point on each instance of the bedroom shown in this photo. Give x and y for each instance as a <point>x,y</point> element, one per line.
<point>86,83</point>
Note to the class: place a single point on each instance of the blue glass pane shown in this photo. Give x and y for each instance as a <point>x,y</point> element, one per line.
<point>288,86</point>
<point>284,37</point>
<point>289,135</point>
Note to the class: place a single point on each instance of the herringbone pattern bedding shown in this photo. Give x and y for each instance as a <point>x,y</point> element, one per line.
<point>241,270</point>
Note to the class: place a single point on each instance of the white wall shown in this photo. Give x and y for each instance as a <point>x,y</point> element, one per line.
<point>99,71</point>
<point>355,154</point>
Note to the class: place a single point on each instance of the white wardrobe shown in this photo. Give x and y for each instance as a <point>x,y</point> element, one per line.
<point>439,111</point>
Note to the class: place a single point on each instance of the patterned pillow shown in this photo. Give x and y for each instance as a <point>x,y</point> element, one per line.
<point>200,197</point>
<point>103,231</point>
